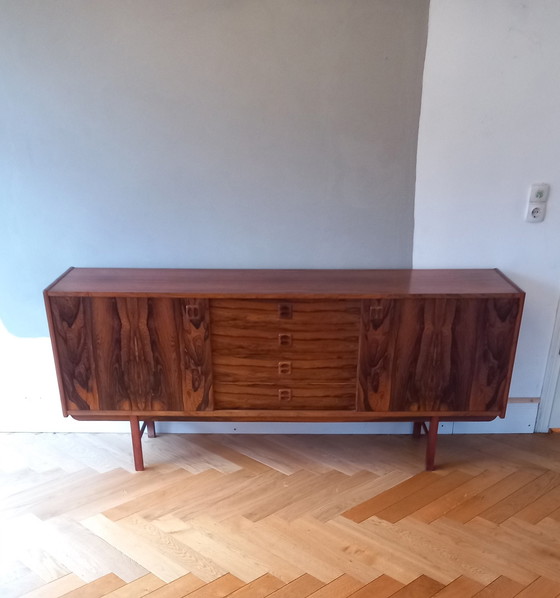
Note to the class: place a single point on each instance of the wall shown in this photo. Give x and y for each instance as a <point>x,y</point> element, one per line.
<point>196,133</point>
<point>489,127</point>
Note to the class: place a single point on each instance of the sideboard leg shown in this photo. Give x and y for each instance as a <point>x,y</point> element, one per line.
<point>151,427</point>
<point>417,430</point>
<point>431,446</point>
<point>136,443</point>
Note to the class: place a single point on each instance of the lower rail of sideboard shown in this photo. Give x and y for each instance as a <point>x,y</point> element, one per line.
<point>422,424</point>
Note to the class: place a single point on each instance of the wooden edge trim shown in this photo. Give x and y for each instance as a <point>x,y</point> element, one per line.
<point>508,279</point>
<point>46,297</point>
<point>282,416</point>
<point>63,399</point>
<point>275,296</point>
<point>57,280</point>
<point>513,350</point>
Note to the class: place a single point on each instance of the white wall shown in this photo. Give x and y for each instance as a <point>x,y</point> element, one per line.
<point>489,127</point>
<point>294,155</point>
<point>29,391</point>
<point>197,133</point>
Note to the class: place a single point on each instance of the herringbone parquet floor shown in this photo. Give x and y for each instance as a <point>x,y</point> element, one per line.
<point>279,516</point>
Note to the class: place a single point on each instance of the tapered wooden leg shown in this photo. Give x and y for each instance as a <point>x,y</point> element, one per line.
<point>417,430</point>
<point>431,446</point>
<point>136,443</point>
<point>151,427</point>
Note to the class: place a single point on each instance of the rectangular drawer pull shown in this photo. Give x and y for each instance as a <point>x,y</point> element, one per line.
<point>284,367</point>
<point>285,340</point>
<point>284,394</point>
<point>285,311</point>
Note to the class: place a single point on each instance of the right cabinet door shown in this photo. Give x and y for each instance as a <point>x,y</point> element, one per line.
<point>425,355</point>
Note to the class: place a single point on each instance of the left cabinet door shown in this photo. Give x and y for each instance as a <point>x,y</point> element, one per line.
<point>139,354</point>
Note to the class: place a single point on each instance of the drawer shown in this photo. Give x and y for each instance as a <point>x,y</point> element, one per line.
<point>298,315</point>
<point>234,370</point>
<point>254,344</point>
<point>308,397</point>
<point>306,349</point>
<point>254,329</point>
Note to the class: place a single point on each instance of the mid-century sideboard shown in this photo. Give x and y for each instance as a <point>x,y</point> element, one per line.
<point>148,345</point>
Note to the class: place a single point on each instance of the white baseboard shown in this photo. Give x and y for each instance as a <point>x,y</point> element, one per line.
<point>520,418</point>
<point>284,428</point>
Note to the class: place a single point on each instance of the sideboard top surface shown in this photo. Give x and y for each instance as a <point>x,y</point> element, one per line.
<point>262,284</point>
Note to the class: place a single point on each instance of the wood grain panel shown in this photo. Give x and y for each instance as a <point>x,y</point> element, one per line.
<point>377,340</point>
<point>196,354</point>
<point>251,364</point>
<point>262,284</point>
<point>233,370</point>
<point>432,364</point>
<point>137,353</point>
<point>228,339</point>
<point>304,396</point>
<point>70,322</point>
<point>494,353</point>
<point>319,314</point>
<point>436,354</point>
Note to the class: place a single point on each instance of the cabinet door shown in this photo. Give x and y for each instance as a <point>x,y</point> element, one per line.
<point>152,354</point>
<point>133,353</point>
<point>436,354</point>
<point>136,351</point>
<point>496,343</point>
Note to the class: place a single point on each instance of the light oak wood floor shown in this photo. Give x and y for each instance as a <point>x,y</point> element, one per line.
<point>279,516</point>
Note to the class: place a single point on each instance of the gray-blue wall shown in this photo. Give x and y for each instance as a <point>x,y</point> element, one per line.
<point>204,133</point>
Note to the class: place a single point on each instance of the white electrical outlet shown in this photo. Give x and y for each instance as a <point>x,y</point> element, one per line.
<point>536,208</point>
<point>536,211</point>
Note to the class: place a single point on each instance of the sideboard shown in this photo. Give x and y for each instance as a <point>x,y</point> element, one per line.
<point>148,345</point>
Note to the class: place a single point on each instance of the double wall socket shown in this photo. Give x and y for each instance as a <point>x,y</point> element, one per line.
<point>536,208</point>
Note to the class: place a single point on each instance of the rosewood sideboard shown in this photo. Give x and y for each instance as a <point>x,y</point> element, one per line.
<point>148,345</point>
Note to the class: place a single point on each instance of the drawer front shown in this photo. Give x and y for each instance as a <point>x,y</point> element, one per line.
<point>254,344</point>
<point>320,316</point>
<point>234,370</point>
<point>318,397</point>
<point>307,347</point>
